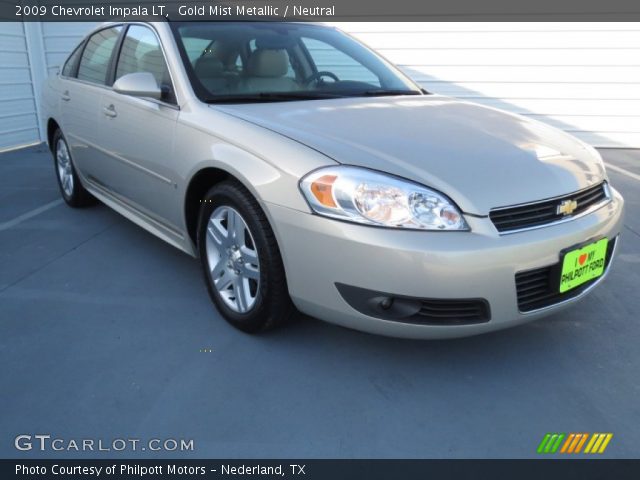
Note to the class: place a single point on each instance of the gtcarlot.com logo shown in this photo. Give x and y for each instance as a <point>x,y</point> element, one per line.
<point>48,443</point>
<point>575,443</point>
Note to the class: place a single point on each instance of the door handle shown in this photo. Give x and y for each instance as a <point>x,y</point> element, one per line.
<point>110,111</point>
<point>65,96</point>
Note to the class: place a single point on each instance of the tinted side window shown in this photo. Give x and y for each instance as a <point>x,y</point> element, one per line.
<point>141,52</point>
<point>97,54</point>
<point>69,69</point>
<point>330,59</point>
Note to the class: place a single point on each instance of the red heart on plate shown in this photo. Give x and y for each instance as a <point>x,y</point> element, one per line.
<point>582,258</point>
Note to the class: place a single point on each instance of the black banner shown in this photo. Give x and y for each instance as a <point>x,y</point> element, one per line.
<point>321,469</point>
<point>319,10</point>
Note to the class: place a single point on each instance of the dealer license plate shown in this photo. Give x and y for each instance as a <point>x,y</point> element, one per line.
<point>583,264</point>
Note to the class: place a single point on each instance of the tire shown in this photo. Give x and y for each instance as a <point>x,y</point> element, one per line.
<point>73,193</point>
<point>241,260</point>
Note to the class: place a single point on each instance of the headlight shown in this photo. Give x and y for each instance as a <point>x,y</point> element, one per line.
<point>364,196</point>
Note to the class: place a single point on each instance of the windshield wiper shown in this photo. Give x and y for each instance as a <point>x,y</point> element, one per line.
<point>271,97</point>
<point>382,92</point>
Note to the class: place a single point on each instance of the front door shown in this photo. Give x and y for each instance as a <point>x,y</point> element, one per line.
<point>139,133</point>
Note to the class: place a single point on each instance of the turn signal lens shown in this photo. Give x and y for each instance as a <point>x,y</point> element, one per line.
<point>365,196</point>
<point>322,189</point>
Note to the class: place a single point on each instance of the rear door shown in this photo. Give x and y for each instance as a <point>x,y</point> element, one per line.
<point>83,81</point>
<point>140,132</point>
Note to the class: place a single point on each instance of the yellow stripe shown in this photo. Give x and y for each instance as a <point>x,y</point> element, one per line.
<point>591,442</point>
<point>605,443</point>
<point>596,445</point>
<point>584,439</point>
<point>567,442</point>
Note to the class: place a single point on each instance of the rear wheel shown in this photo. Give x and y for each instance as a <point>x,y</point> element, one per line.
<point>241,260</point>
<point>74,194</point>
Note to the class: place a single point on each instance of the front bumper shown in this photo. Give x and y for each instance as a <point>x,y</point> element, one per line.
<point>319,253</point>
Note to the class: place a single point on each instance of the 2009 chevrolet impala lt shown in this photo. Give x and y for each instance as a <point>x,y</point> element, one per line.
<point>309,174</point>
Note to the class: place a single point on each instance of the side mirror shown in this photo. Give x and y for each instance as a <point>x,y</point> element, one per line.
<point>139,84</point>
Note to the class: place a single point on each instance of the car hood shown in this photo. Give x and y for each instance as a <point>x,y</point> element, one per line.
<point>480,157</point>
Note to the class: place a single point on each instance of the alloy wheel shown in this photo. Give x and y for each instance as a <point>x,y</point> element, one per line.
<point>65,170</point>
<point>232,259</point>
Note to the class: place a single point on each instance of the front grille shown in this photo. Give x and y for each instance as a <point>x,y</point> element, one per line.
<point>453,312</point>
<point>539,288</point>
<point>545,212</point>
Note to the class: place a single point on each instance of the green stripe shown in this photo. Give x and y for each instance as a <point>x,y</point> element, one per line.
<point>555,447</point>
<point>547,448</point>
<point>543,443</point>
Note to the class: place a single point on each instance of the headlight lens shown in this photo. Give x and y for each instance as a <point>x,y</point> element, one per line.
<point>365,196</point>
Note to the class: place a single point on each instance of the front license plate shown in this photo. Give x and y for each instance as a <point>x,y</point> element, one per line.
<point>583,264</point>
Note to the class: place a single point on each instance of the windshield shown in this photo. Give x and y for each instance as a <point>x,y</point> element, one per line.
<point>247,62</point>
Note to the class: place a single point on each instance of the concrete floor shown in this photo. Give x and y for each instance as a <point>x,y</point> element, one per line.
<point>103,327</point>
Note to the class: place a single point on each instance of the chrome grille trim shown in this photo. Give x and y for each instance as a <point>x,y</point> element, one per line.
<point>554,219</point>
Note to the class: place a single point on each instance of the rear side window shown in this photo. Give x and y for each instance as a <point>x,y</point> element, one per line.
<point>96,56</point>
<point>69,69</point>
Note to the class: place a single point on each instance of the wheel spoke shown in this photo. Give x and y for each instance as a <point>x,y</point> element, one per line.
<point>249,255</point>
<point>217,233</point>
<point>249,271</point>
<point>235,227</point>
<point>224,281</point>
<point>218,269</point>
<point>241,291</point>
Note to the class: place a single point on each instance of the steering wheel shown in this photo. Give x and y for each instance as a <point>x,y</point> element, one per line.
<point>316,77</point>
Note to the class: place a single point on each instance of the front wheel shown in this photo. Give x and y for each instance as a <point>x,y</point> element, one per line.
<point>241,261</point>
<point>73,193</point>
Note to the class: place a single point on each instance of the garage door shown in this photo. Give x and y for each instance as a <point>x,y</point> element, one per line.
<point>28,53</point>
<point>18,115</point>
<point>581,77</point>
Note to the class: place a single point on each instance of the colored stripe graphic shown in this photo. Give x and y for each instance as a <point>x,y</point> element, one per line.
<point>598,443</point>
<point>556,445</point>
<point>582,441</point>
<point>605,443</point>
<point>570,444</point>
<point>551,442</point>
<point>594,437</point>
<point>543,443</point>
<point>573,443</point>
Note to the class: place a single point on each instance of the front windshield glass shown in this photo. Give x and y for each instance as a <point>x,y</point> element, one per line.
<point>245,62</point>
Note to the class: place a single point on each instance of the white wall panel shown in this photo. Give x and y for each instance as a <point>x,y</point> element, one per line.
<point>581,77</point>
<point>18,119</point>
<point>60,38</point>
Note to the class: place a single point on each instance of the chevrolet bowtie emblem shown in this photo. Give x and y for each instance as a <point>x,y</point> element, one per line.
<point>566,207</point>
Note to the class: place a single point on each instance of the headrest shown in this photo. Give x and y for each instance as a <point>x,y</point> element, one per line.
<point>268,63</point>
<point>274,42</point>
<point>208,67</point>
